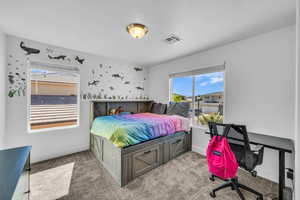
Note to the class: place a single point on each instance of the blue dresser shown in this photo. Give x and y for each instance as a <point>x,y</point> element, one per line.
<point>14,173</point>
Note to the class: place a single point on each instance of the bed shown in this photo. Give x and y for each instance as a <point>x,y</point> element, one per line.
<point>130,145</point>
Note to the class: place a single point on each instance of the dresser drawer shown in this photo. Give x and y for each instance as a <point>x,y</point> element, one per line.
<point>22,189</point>
<point>144,161</point>
<point>177,146</point>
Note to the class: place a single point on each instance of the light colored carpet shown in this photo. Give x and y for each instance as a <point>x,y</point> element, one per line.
<point>81,177</point>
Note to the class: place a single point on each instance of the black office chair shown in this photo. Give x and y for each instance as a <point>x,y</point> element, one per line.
<point>247,159</point>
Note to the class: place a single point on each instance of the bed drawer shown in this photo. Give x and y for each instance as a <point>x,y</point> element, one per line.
<point>177,146</point>
<point>144,161</point>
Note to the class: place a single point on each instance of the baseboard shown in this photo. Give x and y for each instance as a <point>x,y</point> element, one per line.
<point>199,149</point>
<point>49,157</point>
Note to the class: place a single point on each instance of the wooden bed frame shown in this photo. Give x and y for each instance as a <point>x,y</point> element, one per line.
<point>125,164</point>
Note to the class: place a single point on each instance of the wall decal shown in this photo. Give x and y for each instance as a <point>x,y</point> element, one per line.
<point>117,81</point>
<point>79,60</point>
<point>93,83</point>
<point>139,88</point>
<point>138,69</point>
<point>60,57</point>
<point>12,92</point>
<point>29,50</point>
<point>48,50</point>
<point>11,79</point>
<point>117,76</point>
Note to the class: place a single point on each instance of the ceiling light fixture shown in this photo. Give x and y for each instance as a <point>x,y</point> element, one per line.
<point>137,30</point>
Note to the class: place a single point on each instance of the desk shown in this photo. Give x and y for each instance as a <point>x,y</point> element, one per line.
<point>282,145</point>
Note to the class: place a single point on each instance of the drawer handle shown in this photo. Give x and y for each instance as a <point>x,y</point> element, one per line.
<point>147,152</point>
<point>27,192</point>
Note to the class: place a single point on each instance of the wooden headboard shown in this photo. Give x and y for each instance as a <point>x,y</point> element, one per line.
<point>101,108</point>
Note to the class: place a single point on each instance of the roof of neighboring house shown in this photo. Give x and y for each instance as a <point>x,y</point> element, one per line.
<point>212,94</point>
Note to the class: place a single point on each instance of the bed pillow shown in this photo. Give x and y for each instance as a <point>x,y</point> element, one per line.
<point>181,109</point>
<point>124,113</point>
<point>158,108</point>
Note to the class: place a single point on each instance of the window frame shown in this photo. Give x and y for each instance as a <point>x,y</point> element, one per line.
<point>30,65</point>
<point>193,74</point>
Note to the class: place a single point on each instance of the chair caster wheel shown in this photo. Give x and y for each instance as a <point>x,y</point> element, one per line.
<point>212,194</point>
<point>254,173</point>
<point>212,178</point>
<point>259,198</point>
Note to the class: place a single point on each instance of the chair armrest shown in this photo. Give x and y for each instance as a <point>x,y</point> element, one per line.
<point>256,148</point>
<point>259,150</point>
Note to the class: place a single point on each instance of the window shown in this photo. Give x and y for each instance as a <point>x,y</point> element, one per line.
<point>53,100</point>
<point>204,89</point>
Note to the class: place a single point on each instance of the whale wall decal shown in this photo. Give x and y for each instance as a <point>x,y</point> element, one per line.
<point>29,50</point>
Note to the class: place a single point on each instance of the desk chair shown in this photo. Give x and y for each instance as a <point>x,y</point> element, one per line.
<point>247,159</point>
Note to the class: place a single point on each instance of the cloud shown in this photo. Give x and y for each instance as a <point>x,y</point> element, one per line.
<point>216,79</point>
<point>203,83</point>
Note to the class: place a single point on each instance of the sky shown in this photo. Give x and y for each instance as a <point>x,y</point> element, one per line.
<point>205,83</point>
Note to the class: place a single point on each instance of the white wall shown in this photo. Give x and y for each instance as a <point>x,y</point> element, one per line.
<point>2,86</point>
<point>259,86</point>
<point>46,145</point>
<point>297,121</point>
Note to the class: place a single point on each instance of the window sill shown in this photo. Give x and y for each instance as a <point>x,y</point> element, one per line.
<point>52,129</point>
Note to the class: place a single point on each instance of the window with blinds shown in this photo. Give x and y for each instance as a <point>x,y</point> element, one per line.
<point>54,97</point>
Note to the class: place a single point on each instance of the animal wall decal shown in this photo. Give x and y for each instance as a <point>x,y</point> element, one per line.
<point>48,50</point>
<point>29,50</point>
<point>11,79</point>
<point>93,83</point>
<point>60,57</point>
<point>117,76</point>
<point>111,88</point>
<point>79,60</point>
<point>138,69</point>
<point>139,88</point>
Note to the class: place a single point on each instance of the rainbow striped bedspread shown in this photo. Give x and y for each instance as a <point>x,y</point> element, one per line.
<point>125,130</point>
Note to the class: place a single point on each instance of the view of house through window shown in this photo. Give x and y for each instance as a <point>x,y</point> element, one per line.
<point>208,95</point>
<point>54,98</point>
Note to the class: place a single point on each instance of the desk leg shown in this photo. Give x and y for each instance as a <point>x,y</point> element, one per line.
<point>281,173</point>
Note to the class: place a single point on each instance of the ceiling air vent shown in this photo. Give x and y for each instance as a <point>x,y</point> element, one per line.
<point>171,39</point>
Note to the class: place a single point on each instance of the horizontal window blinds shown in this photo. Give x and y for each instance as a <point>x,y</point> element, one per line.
<point>211,69</point>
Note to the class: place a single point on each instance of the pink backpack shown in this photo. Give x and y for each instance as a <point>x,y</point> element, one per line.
<point>221,160</point>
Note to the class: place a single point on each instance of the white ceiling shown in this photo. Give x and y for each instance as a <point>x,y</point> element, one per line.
<point>99,26</point>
